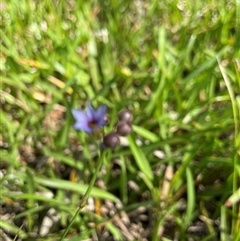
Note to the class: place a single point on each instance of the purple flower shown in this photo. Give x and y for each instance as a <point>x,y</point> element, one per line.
<point>91,119</point>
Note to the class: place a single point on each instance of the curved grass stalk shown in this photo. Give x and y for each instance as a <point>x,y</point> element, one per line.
<point>86,195</point>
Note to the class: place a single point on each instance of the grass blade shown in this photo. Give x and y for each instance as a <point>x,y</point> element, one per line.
<point>140,158</point>
<point>190,198</point>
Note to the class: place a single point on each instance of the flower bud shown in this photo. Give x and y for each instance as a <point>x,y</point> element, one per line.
<point>106,119</point>
<point>125,115</point>
<point>111,140</point>
<point>124,128</point>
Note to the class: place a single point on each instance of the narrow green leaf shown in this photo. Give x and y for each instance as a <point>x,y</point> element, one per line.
<point>190,197</point>
<point>64,159</point>
<point>114,231</point>
<point>162,48</point>
<point>145,133</point>
<point>12,228</point>
<point>77,187</point>
<point>30,211</point>
<point>123,181</point>
<point>30,203</point>
<point>223,224</point>
<point>140,158</point>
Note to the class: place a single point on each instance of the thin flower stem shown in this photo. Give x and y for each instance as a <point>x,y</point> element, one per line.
<point>86,195</point>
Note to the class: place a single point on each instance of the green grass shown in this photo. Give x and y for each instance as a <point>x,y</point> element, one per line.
<point>174,64</point>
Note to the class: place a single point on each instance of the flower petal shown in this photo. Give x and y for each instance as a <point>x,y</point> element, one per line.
<point>81,120</point>
<point>91,119</point>
<point>90,111</point>
<point>99,115</point>
<point>82,126</point>
<point>79,115</point>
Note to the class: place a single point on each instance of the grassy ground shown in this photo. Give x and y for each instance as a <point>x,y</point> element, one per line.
<point>175,65</point>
